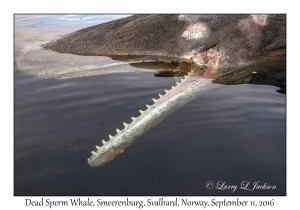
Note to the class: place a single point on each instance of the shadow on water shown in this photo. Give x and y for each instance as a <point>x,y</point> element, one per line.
<point>234,133</point>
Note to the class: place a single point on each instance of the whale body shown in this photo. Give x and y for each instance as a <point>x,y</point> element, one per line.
<point>208,50</point>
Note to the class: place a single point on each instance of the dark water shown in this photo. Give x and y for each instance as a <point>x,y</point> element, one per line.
<point>230,134</point>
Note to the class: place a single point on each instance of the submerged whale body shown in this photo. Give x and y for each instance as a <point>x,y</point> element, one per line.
<point>207,49</point>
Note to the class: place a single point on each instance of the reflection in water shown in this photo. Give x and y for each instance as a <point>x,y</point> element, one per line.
<point>233,133</point>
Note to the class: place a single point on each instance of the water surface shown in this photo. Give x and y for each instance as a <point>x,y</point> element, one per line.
<point>233,133</point>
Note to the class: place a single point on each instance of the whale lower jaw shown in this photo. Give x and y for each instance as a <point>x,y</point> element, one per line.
<point>178,96</point>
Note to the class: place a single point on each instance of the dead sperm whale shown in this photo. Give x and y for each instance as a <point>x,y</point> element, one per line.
<point>207,49</point>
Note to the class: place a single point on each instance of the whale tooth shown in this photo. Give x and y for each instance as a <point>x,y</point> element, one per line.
<point>181,79</point>
<point>98,147</point>
<point>160,95</point>
<point>142,112</point>
<point>154,100</point>
<point>110,136</point>
<point>148,106</point>
<point>93,152</point>
<point>118,131</point>
<point>125,124</point>
<point>166,91</point>
<point>103,142</point>
<point>172,87</point>
<point>177,83</point>
<point>185,76</point>
<point>133,118</point>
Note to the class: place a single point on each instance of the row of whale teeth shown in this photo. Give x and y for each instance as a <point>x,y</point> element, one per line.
<point>133,118</point>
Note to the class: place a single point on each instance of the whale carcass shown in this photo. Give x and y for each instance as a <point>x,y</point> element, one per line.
<point>207,50</point>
